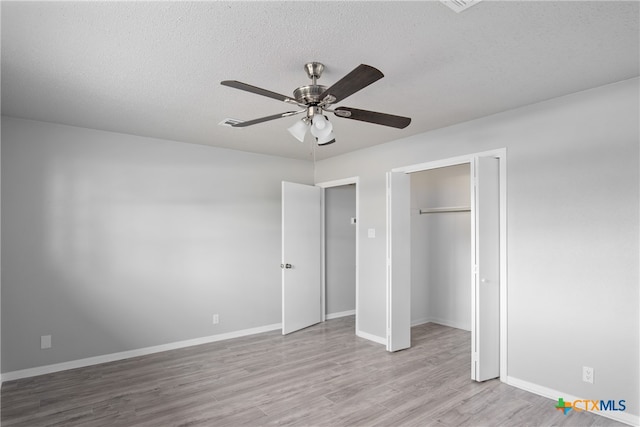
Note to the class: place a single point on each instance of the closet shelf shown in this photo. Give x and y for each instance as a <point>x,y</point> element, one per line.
<point>445,210</point>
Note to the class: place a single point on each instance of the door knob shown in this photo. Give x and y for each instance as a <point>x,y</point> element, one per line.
<point>285,265</point>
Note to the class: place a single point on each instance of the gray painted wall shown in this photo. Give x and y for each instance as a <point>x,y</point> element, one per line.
<point>572,239</point>
<point>340,249</point>
<point>114,242</point>
<point>441,248</point>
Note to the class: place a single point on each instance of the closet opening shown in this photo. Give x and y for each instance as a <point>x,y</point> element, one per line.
<point>441,253</point>
<point>435,273</point>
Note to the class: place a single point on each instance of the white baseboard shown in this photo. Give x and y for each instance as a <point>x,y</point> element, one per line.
<point>444,322</point>
<point>80,363</point>
<point>451,324</point>
<point>420,321</point>
<point>340,314</point>
<point>372,337</point>
<point>632,420</point>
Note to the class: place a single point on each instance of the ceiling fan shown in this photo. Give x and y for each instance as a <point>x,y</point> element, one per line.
<point>316,99</point>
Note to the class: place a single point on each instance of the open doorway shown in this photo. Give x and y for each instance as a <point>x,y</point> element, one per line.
<point>340,249</point>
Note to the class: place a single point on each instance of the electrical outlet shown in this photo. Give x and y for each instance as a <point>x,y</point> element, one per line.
<point>45,341</point>
<point>587,374</point>
<point>216,319</point>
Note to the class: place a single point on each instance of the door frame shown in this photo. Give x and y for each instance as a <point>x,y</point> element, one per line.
<point>500,154</point>
<point>323,237</point>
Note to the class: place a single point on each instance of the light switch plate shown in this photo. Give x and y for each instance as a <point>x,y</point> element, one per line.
<point>45,341</point>
<point>371,233</point>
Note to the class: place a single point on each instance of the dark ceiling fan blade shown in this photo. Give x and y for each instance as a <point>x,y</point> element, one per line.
<point>373,117</point>
<point>265,119</point>
<point>359,78</point>
<point>254,89</point>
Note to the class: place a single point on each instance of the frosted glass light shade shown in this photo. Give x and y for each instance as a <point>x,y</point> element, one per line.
<point>299,130</point>
<point>326,140</point>
<point>319,122</point>
<point>321,127</point>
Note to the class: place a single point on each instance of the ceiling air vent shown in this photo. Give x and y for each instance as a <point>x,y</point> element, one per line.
<point>459,5</point>
<point>230,122</point>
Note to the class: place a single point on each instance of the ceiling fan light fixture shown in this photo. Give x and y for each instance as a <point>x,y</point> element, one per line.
<point>319,122</point>
<point>326,140</point>
<point>316,99</point>
<point>299,129</point>
<point>321,127</point>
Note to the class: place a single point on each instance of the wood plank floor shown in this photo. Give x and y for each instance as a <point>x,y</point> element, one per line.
<point>321,376</point>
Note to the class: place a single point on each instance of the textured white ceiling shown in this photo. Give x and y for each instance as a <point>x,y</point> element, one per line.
<point>154,68</point>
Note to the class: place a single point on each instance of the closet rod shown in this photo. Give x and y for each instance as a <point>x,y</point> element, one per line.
<point>443,210</point>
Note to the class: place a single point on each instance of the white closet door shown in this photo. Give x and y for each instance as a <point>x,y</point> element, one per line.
<point>301,256</point>
<point>486,296</point>
<point>398,261</point>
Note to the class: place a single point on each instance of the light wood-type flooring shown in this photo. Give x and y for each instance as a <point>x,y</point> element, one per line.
<point>321,376</point>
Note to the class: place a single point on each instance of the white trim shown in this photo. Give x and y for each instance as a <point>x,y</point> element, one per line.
<point>371,337</point>
<point>451,324</point>
<point>340,314</point>
<point>452,161</point>
<point>323,255</point>
<point>338,183</point>
<point>80,363</point>
<point>421,321</point>
<point>502,155</point>
<point>438,321</point>
<point>632,420</point>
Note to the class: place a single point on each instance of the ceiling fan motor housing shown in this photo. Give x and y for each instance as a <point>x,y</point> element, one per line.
<point>309,95</point>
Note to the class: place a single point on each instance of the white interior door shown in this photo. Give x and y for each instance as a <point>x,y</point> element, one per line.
<point>301,256</point>
<point>398,261</point>
<point>485,329</point>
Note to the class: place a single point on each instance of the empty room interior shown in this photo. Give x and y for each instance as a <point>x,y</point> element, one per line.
<point>342,213</point>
